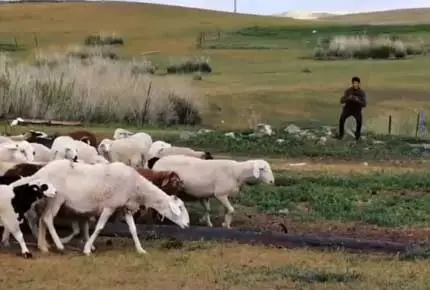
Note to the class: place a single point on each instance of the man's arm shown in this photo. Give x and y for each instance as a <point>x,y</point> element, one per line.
<point>345,97</point>
<point>362,99</point>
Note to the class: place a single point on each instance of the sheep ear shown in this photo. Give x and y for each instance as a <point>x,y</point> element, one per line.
<point>165,181</point>
<point>256,170</point>
<point>174,207</point>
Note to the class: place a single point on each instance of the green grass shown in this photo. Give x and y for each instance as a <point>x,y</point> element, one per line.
<point>383,199</point>
<point>269,82</point>
<point>277,37</point>
<point>285,145</point>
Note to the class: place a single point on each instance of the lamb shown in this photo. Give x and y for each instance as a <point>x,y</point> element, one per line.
<point>175,150</point>
<point>144,138</point>
<point>100,190</point>
<point>42,153</point>
<point>15,201</point>
<point>156,146</point>
<point>130,151</point>
<point>64,147</point>
<point>20,151</point>
<point>41,138</point>
<point>218,178</point>
<point>88,153</point>
<point>44,139</point>
<point>120,133</point>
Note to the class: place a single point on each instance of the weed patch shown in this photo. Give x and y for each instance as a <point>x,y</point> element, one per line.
<point>294,274</point>
<point>351,198</point>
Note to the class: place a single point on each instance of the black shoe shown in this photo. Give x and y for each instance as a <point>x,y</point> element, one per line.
<point>338,137</point>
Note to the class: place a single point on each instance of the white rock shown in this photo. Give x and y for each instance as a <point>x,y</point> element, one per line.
<point>292,129</point>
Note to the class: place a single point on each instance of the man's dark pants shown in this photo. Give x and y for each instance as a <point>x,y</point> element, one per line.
<point>356,114</point>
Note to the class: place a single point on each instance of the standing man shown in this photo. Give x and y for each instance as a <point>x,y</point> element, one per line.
<point>354,100</point>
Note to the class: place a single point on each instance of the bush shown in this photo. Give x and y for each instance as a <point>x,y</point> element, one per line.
<point>103,40</point>
<point>364,47</point>
<point>92,90</point>
<point>190,66</point>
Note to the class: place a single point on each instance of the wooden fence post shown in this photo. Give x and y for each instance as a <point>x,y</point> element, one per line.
<point>199,40</point>
<point>390,122</point>
<point>36,41</point>
<point>417,126</point>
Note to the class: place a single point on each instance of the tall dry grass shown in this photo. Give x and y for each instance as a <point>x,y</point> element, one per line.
<point>365,47</point>
<point>94,90</point>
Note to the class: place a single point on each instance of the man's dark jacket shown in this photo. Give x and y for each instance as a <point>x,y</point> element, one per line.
<point>354,105</point>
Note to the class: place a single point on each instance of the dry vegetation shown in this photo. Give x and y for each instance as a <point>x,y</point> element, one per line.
<point>211,266</point>
<point>365,47</point>
<point>95,90</point>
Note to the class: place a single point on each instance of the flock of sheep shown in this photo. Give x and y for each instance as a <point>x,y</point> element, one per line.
<point>77,178</point>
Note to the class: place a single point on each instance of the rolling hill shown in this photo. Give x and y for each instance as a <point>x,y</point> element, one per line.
<point>144,26</point>
<point>400,16</point>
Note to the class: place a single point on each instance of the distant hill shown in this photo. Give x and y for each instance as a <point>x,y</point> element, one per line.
<point>400,16</point>
<point>306,15</point>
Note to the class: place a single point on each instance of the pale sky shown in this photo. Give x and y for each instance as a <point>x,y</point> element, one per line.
<point>268,7</point>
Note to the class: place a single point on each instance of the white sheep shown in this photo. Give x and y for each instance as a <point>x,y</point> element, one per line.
<point>120,133</point>
<point>88,153</point>
<point>100,190</point>
<point>15,201</point>
<point>64,147</point>
<point>156,146</point>
<point>130,151</point>
<point>4,139</point>
<point>42,153</point>
<point>176,150</point>
<point>20,151</point>
<point>219,178</point>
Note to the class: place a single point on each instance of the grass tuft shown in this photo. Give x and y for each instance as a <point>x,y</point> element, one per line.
<point>365,47</point>
<point>190,66</point>
<point>101,39</point>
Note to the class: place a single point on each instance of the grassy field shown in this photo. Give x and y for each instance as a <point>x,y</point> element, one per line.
<point>274,85</point>
<point>264,70</point>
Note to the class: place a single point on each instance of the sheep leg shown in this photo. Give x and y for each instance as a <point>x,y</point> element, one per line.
<point>106,213</point>
<point>86,232</point>
<point>31,217</point>
<point>75,232</point>
<point>230,210</point>
<point>5,238</point>
<point>206,217</point>
<point>42,244</point>
<point>133,231</point>
<point>48,219</point>
<point>11,224</point>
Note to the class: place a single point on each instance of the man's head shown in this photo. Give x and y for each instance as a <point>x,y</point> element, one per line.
<point>355,82</point>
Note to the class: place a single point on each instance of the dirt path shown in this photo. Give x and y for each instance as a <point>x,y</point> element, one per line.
<point>331,228</point>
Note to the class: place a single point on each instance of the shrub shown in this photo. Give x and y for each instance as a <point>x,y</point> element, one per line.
<point>92,90</point>
<point>190,66</point>
<point>100,39</point>
<point>364,47</point>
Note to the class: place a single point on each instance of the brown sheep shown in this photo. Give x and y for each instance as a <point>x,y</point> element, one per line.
<point>23,169</point>
<point>84,136</point>
<point>168,181</point>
